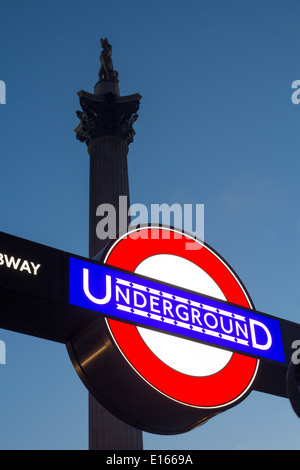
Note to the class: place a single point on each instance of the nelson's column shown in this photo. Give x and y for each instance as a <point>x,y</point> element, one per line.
<point>105,126</point>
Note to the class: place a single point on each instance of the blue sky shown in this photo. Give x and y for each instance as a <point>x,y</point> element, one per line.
<point>216,127</point>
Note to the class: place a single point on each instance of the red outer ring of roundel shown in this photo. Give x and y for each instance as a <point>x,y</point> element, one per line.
<point>217,390</point>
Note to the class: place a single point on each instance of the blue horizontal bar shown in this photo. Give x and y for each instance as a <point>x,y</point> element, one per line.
<point>142,301</point>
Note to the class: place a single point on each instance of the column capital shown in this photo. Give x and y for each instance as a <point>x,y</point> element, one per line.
<point>107,115</point>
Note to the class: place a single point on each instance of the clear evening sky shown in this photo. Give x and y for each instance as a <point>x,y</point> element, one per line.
<point>216,126</point>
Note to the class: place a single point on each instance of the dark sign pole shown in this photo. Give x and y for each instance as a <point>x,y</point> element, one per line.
<point>106,128</point>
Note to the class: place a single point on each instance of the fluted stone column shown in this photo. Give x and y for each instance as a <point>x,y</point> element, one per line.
<point>105,126</point>
<point>108,158</point>
<point>106,432</point>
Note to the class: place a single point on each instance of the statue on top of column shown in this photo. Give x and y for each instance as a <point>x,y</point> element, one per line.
<point>107,71</point>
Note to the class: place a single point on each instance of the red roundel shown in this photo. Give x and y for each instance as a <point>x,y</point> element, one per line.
<point>191,373</point>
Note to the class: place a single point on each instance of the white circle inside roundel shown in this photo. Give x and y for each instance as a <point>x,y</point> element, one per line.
<point>185,356</point>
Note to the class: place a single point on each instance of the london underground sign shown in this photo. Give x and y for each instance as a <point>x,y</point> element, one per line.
<point>182,382</point>
<point>160,306</point>
<point>189,376</point>
<point>162,336</point>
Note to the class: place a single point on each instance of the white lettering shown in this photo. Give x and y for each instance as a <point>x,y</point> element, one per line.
<point>25,266</point>
<point>199,223</point>
<point>295,94</point>
<point>12,262</point>
<point>131,217</point>
<point>35,267</point>
<point>125,296</point>
<point>253,324</point>
<point>167,305</point>
<point>135,300</point>
<point>184,317</point>
<point>221,323</point>
<point>215,324</point>
<point>2,92</point>
<point>2,352</point>
<point>109,221</point>
<point>154,302</point>
<point>141,219</point>
<point>86,289</point>
<point>239,329</point>
<point>123,214</point>
<point>195,315</point>
<point>161,213</point>
<point>295,356</point>
<point>223,326</point>
<point>117,460</point>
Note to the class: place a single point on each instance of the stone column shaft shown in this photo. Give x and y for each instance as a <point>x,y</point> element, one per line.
<point>108,181</point>
<point>106,128</point>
